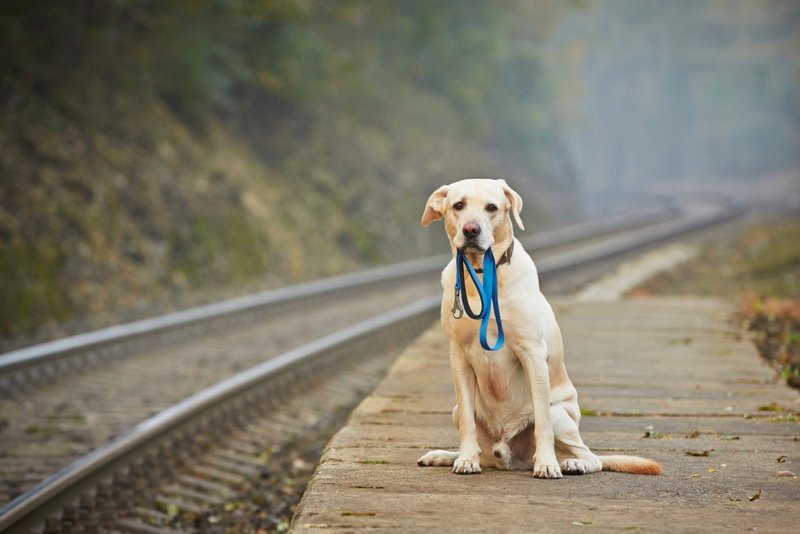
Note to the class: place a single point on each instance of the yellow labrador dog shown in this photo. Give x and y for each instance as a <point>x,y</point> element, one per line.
<point>516,408</point>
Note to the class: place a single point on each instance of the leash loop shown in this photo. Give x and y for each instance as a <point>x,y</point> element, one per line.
<point>461,286</point>
<point>488,293</point>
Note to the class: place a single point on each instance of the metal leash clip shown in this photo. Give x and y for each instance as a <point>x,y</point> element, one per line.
<point>457,310</point>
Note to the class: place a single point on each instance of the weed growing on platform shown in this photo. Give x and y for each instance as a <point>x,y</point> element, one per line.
<point>775,324</point>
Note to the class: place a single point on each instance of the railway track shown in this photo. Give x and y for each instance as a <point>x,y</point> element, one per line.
<point>120,486</point>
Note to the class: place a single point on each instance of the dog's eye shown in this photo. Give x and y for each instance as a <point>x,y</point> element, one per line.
<point>458,206</point>
<point>491,208</point>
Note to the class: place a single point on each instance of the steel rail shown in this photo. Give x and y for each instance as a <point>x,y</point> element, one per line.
<point>171,419</point>
<point>26,359</point>
<point>697,218</point>
<point>53,493</point>
<point>609,224</point>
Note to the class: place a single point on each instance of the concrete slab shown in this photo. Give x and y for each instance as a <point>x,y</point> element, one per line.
<point>667,378</point>
<point>631,273</point>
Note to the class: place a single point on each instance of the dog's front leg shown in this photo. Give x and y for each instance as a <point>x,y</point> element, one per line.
<point>464,380</point>
<point>533,356</point>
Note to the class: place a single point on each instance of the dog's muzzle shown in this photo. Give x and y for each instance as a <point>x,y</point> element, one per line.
<point>472,233</point>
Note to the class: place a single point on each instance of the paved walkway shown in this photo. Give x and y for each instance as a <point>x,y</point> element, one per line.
<point>672,369</point>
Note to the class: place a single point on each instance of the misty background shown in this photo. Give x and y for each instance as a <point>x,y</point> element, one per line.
<point>158,154</point>
<point>685,94</point>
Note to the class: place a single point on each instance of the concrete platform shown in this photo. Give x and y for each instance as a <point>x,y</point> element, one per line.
<point>671,368</point>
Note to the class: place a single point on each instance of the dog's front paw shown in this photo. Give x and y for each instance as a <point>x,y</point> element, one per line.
<point>546,469</point>
<point>467,465</point>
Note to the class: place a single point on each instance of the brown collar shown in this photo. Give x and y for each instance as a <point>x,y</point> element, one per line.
<point>505,258</point>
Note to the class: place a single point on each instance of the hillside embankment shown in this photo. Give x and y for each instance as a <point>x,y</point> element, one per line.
<point>155,156</point>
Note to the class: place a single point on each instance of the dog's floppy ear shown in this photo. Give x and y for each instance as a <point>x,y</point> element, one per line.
<point>434,209</point>
<point>516,202</point>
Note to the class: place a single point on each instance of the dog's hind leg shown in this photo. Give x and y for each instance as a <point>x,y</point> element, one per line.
<point>441,458</point>
<point>574,456</point>
<point>438,458</point>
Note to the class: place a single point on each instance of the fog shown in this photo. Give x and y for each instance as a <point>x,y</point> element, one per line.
<point>684,95</point>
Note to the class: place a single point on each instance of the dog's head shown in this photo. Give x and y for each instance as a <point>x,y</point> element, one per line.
<point>477,212</point>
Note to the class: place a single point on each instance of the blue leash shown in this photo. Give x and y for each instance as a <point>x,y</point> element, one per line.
<point>487,292</point>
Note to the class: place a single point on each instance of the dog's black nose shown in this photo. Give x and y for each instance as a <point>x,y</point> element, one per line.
<point>471,230</point>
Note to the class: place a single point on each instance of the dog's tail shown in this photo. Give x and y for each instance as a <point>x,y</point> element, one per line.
<point>630,464</point>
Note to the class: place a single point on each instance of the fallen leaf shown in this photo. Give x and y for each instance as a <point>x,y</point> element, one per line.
<point>711,470</point>
<point>783,474</point>
<point>755,497</point>
<point>699,453</point>
<point>734,500</point>
<point>781,459</point>
<point>693,434</point>
<point>582,523</point>
<point>785,418</point>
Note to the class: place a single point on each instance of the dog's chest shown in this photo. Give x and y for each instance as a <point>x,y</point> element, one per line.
<point>502,400</point>
<point>498,374</point>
